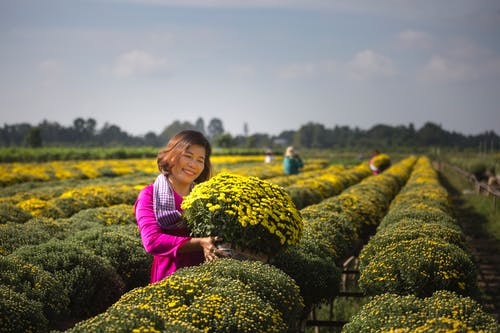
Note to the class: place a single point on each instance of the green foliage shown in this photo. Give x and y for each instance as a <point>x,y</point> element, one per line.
<point>394,313</point>
<point>122,249</point>
<point>419,266</point>
<point>90,281</point>
<point>120,214</point>
<point>12,213</point>
<point>318,278</point>
<point>18,313</point>
<point>303,196</point>
<point>66,206</point>
<point>414,214</point>
<point>35,231</point>
<point>20,154</point>
<point>35,283</point>
<point>330,230</point>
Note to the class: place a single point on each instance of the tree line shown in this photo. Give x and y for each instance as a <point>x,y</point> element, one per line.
<point>85,133</point>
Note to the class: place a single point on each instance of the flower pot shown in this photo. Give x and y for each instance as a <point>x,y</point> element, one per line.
<point>239,254</point>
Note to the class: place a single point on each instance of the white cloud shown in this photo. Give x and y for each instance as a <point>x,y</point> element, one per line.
<point>138,63</point>
<point>412,38</point>
<point>442,69</point>
<point>447,69</point>
<point>368,64</point>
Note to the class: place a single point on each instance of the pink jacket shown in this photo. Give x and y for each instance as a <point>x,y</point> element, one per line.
<point>161,245</point>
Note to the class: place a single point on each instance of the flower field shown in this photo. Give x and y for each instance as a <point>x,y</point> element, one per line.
<point>71,252</point>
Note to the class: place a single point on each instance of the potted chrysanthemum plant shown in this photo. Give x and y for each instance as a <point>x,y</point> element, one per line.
<point>254,216</point>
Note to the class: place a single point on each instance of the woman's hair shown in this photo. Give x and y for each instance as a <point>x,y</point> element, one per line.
<point>177,145</point>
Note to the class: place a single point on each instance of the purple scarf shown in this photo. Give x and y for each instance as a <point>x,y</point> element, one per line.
<point>164,205</point>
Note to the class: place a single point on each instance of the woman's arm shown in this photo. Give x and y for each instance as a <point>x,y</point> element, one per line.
<point>154,239</point>
<point>157,242</point>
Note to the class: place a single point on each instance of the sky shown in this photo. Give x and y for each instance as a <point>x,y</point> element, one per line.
<point>267,65</point>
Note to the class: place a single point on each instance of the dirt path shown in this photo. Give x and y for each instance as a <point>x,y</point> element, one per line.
<point>484,249</point>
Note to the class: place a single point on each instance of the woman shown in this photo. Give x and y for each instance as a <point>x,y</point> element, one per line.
<point>292,162</point>
<point>184,162</point>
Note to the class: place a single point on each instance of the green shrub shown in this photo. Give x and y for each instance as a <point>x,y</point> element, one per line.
<point>117,214</point>
<point>90,281</point>
<point>12,213</point>
<point>33,232</point>
<point>411,213</point>
<point>303,196</point>
<point>18,313</point>
<point>394,313</point>
<point>331,230</point>
<point>318,278</point>
<point>268,282</point>
<point>123,250</point>
<point>35,283</point>
<point>419,266</point>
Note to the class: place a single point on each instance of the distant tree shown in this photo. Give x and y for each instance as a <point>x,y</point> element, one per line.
<point>16,133</point>
<point>215,128</point>
<point>431,135</point>
<point>260,140</point>
<point>199,125</point>
<point>33,138</point>
<point>245,129</point>
<point>175,128</point>
<point>112,135</point>
<point>284,138</point>
<point>311,135</point>
<point>223,140</point>
<point>151,139</point>
<point>380,133</point>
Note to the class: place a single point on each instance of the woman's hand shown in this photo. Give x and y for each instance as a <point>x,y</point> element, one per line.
<point>210,250</point>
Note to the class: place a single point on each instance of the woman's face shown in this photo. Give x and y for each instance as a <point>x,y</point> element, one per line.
<point>189,165</point>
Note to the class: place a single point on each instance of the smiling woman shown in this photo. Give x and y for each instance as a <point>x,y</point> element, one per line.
<point>184,162</point>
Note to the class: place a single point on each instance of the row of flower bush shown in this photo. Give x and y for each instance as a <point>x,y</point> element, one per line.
<point>418,266</point>
<point>16,173</point>
<point>67,198</point>
<point>333,227</point>
<point>271,170</point>
<point>309,189</point>
<point>21,202</point>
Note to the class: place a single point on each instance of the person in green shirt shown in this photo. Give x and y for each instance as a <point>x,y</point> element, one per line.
<point>292,163</point>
